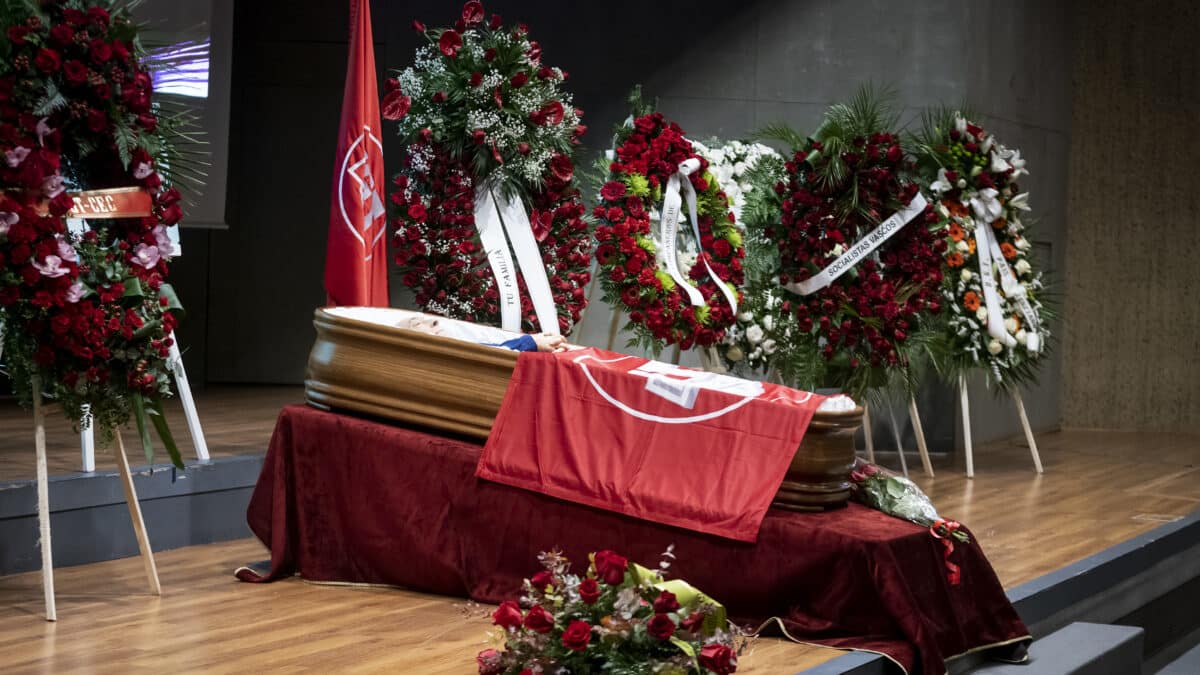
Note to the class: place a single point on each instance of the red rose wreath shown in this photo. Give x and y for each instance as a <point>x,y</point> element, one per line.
<point>88,314</point>
<point>635,261</point>
<point>844,185</point>
<point>485,122</point>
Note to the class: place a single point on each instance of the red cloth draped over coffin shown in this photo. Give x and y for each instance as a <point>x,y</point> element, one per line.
<point>348,499</point>
<point>678,446</point>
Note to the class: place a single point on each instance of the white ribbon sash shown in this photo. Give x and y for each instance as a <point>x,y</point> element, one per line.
<point>503,223</point>
<point>861,249</point>
<point>984,238</point>
<point>1013,290</point>
<point>669,229</point>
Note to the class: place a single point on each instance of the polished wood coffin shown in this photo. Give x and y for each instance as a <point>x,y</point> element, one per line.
<point>366,361</point>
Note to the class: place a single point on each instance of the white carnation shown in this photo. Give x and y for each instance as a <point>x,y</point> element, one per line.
<point>768,346</point>
<point>1022,267</point>
<point>754,334</point>
<point>745,317</point>
<point>994,347</point>
<point>981,314</point>
<point>966,275</point>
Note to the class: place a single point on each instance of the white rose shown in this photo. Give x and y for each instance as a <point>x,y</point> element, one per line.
<point>1010,324</point>
<point>739,168</point>
<point>768,346</point>
<point>1022,244</point>
<point>745,317</point>
<point>1021,336</point>
<point>962,246</point>
<point>768,322</point>
<point>994,347</point>
<point>981,314</point>
<point>966,275</point>
<point>754,334</point>
<point>734,354</point>
<point>1022,267</point>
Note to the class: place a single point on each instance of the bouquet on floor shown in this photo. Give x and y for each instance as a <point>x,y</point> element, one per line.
<point>996,320</point>
<point>860,252</point>
<point>668,247</point>
<point>489,223</point>
<point>87,312</point>
<point>618,617</point>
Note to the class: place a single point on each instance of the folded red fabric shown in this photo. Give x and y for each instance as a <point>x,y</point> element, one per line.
<point>683,447</point>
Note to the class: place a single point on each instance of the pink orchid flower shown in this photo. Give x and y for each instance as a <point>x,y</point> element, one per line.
<point>75,292</point>
<point>147,256</point>
<point>15,156</point>
<point>52,267</point>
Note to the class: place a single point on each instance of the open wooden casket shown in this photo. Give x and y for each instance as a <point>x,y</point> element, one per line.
<point>365,360</point>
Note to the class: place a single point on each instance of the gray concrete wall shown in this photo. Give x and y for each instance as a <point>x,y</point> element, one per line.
<point>722,70</point>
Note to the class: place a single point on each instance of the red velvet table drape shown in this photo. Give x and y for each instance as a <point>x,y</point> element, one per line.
<point>347,499</point>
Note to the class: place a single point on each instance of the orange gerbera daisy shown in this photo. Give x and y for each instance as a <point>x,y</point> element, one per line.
<point>999,223</point>
<point>956,208</point>
<point>1008,250</point>
<point>956,232</point>
<point>954,259</point>
<point>971,301</point>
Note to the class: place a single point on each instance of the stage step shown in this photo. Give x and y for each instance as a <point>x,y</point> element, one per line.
<point>1079,649</point>
<point>1188,664</point>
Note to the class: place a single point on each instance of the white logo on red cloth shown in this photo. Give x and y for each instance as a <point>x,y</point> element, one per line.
<point>369,209</point>
<point>680,386</point>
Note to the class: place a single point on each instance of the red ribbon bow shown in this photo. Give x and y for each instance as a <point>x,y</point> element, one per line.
<point>953,573</point>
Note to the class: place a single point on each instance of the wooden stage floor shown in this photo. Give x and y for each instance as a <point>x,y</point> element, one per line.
<point>1100,488</point>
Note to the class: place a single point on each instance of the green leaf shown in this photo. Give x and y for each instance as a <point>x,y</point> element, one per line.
<point>146,329</point>
<point>159,418</point>
<point>133,289</point>
<point>686,648</point>
<point>139,417</point>
<point>174,306</point>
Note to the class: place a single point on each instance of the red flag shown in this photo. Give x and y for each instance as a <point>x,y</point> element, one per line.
<point>355,258</point>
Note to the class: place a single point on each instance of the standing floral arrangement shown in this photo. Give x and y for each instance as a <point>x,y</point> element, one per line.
<point>88,313</point>
<point>860,252</point>
<point>686,295</point>
<point>996,320</point>
<point>489,135</point>
<point>618,617</point>
<point>748,173</point>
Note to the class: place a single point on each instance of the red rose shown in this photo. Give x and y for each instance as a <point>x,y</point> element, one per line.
<point>660,626</point>
<point>75,71</point>
<point>479,136</point>
<point>147,121</point>
<point>721,248</point>
<point>495,22</point>
<point>120,51</point>
<point>518,80</point>
<point>542,579</point>
<point>535,52</point>
<point>577,636</point>
<point>101,51</point>
<point>693,623</point>
<point>718,658</point>
<point>539,620</point>
<point>98,15</point>
<point>548,115</point>
<point>16,34</point>
<point>47,60</point>
<point>62,35</point>
<point>395,105</point>
<point>589,591</point>
<point>450,43</point>
<point>612,191</point>
<point>523,148</point>
<point>490,55</point>
<point>562,167</point>
<point>508,615</point>
<point>417,212</point>
<point>472,13</point>
<point>611,567</point>
<point>894,154</point>
<point>489,662</point>
<point>666,602</point>
<point>172,214</point>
